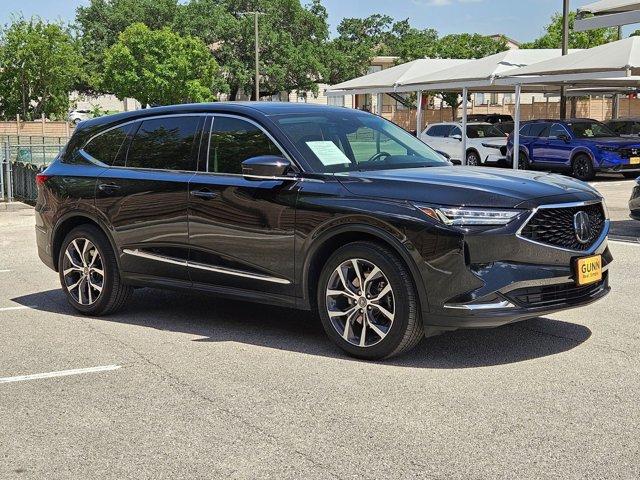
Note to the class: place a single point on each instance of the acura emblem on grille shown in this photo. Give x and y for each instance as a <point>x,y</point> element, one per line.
<point>582,226</point>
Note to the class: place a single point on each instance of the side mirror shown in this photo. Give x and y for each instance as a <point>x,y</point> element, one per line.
<point>457,137</point>
<point>564,137</point>
<point>265,166</point>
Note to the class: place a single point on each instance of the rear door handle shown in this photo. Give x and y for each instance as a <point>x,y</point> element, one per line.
<point>108,187</point>
<point>205,194</point>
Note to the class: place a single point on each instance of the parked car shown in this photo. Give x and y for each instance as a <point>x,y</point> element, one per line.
<point>318,208</point>
<point>77,116</point>
<point>580,146</point>
<point>493,118</point>
<point>634,202</point>
<point>625,127</point>
<point>505,127</point>
<point>485,144</point>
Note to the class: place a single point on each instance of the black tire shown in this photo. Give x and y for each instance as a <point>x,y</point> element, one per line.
<point>473,159</point>
<point>632,175</point>
<point>523,162</point>
<point>406,329</point>
<point>582,168</point>
<point>114,293</point>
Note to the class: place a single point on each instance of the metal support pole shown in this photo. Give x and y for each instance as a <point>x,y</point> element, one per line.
<point>7,159</point>
<point>516,128</point>
<point>465,94</point>
<point>565,50</point>
<point>615,103</point>
<point>257,42</point>
<point>2,173</point>
<point>419,115</point>
<point>379,104</point>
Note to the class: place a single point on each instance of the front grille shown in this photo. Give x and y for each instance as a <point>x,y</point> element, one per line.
<point>563,294</point>
<point>555,226</point>
<point>503,150</point>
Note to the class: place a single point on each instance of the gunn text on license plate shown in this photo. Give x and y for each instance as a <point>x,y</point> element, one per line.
<point>589,270</point>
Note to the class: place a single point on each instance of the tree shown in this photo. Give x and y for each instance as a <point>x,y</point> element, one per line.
<point>292,38</point>
<point>100,23</point>
<point>553,35</point>
<point>161,67</point>
<point>40,63</point>
<point>466,45</point>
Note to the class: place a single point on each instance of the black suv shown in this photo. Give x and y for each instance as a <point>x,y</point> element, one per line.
<point>318,208</point>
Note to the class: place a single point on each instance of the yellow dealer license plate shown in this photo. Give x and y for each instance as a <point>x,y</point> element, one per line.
<point>589,270</point>
<point>634,160</point>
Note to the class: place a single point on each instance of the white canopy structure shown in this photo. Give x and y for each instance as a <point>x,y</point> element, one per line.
<point>477,75</point>
<point>386,81</point>
<point>607,13</point>
<point>615,64</point>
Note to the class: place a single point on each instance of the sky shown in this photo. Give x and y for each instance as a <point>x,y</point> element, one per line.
<point>522,20</point>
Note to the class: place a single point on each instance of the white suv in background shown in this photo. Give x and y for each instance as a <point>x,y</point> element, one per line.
<point>485,143</point>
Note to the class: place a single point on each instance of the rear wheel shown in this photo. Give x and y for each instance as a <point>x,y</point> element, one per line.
<point>89,272</point>
<point>367,302</point>
<point>582,168</point>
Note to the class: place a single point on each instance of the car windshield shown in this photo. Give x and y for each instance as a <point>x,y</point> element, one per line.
<point>483,131</point>
<point>590,130</point>
<point>343,141</point>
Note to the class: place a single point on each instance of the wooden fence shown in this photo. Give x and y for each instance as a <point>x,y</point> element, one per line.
<point>596,108</point>
<point>38,128</point>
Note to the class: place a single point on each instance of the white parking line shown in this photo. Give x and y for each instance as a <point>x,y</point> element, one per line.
<point>20,307</point>
<point>61,373</point>
<point>5,271</point>
<point>625,242</point>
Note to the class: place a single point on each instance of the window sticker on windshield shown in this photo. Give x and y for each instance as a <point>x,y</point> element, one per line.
<point>328,153</point>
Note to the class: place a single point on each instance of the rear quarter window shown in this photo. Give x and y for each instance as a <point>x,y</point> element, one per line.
<point>107,147</point>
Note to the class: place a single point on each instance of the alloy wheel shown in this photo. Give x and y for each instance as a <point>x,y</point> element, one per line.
<point>473,160</point>
<point>360,302</point>
<point>83,271</point>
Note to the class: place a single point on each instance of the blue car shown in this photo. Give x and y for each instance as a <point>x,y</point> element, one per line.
<point>580,146</point>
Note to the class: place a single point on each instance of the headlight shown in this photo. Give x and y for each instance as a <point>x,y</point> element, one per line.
<point>462,216</point>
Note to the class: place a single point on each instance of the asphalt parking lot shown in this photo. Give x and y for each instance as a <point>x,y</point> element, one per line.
<point>193,387</point>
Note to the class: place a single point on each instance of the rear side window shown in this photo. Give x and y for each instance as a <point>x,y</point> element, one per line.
<point>439,131</point>
<point>233,141</point>
<point>165,143</point>
<point>539,130</point>
<point>557,130</point>
<point>525,130</point>
<point>107,146</point>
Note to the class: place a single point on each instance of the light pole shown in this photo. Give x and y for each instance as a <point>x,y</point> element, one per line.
<point>565,50</point>
<point>257,44</point>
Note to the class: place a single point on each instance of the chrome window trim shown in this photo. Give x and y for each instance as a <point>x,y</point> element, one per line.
<point>596,243</point>
<point>186,263</point>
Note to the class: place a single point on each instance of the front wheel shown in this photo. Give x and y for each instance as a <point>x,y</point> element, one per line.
<point>367,302</point>
<point>89,272</point>
<point>582,168</point>
<point>473,159</point>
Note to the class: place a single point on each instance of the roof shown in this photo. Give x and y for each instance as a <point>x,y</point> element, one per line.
<point>604,7</point>
<point>247,108</point>
<point>387,80</point>
<point>478,74</point>
<point>611,60</point>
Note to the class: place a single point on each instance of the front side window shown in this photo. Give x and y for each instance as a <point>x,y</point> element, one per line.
<point>539,130</point>
<point>455,132</point>
<point>167,143</point>
<point>107,146</point>
<point>349,140</point>
<point>593,129</point>
<point>233,141</point>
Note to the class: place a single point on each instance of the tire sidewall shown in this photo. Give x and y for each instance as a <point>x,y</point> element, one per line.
<point>404,296</point>
<point>473,155</point>
<point>110,269</point>
<point>591,170</point>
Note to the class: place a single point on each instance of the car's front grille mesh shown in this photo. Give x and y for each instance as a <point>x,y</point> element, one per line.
<point>629,152</point>
<point>563,294</point>
<point>555,226</point>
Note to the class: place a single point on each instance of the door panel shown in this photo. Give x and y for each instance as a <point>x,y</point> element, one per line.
<point>145,200</point>
<point>241,232</point>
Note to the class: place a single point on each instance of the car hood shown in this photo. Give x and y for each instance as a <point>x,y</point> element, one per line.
<point>470,186</point>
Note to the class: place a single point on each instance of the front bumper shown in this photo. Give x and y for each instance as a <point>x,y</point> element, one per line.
<point>501,277</point>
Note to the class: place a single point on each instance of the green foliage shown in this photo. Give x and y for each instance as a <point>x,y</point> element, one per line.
<point>100,23</point>
<point>40,63</point>
<point>553,36</point>
<point>292,38</point>
<point>161,67</point>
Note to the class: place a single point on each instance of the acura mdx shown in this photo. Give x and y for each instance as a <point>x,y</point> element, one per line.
<point>319,208</point>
